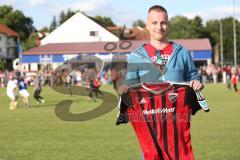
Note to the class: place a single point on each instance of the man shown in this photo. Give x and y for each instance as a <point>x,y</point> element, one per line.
<point>90,76</point>
<point>11,85</point>
<point>159,61</point>
<point>68,82</point>
<point>22,86</point>
<point>38,89</point>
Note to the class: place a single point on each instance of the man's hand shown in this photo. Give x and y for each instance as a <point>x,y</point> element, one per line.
<point>196,85</point>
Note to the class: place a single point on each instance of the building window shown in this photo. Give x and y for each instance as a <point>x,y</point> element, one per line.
<point>8,51</point>
<point>0,50</point>
<point>93,33</point>
<point>9,41</point>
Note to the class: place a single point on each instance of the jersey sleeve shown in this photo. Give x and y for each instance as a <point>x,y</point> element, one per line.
<point>195,106</point>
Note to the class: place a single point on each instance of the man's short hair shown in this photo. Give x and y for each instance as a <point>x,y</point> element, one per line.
<point>157,7</point>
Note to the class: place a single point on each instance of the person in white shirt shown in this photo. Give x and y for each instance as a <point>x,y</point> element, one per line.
<point>11,85</point>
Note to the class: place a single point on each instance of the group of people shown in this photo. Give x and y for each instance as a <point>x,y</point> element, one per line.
<point>19,82</point>
<point>92,83</point>
<point>231,76</point>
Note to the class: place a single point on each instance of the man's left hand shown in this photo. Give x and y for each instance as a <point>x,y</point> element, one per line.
<point>196,85</point>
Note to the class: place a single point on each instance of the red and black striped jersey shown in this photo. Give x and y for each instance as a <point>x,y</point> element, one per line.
<point>160,115</point>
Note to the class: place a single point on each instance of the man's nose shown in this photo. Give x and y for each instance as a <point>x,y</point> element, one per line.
<point>159,26</point>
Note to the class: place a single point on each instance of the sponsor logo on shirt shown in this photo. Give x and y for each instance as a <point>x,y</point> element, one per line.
<point>159,110</point>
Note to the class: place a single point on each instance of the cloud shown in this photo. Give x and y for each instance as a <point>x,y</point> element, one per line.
<point>9,2</point>
<point>215,13</point>
<point>84,5</point>
<point>36,3</point>
<point>103,8</point>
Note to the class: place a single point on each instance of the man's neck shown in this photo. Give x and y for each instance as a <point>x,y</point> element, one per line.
<point>159,44</point>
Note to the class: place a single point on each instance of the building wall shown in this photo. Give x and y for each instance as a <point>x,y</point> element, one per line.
<point>79,28</point>
<point>7,47</point>
<point>3,45</point>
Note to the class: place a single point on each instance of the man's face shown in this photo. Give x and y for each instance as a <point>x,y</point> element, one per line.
<point>157,25</point>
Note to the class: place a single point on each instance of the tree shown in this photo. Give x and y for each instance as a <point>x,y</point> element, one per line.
<point>179,27</point>
<point>17,21</point>
<point>65,16</point>
<point>139,23</point>
<point>2,65</point>
<point>44,30</point>
<point>103,21</point>
<point>213,28</point>
<point>196,28</point>
<point>53,24</point>
<point>182,27</point>
<point>30,42</point>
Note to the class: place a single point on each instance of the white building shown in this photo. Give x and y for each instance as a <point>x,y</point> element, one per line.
<point>8,43</point>
<point>79,28</point>
<point>54,54</point>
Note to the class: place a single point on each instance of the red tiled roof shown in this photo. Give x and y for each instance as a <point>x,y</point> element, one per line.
<point>98,47</point>
<point>6,30</point>
<point>114,28</point>
<point>195,44</point>
<point>138,33</point>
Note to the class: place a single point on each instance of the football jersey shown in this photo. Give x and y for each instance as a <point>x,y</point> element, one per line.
<point>160,115</point>
<point>22,85</point>
<point>11,85</point>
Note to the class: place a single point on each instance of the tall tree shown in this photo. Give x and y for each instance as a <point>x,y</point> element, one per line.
<point>16,20</point>
<point>182,27</point>
<point>139,23</point>
<point>213,28</point>
<point>103,21</point>
<point>179,27</point>
<point>65,16</point>
<point>53,24</point>
<point>44,29</point>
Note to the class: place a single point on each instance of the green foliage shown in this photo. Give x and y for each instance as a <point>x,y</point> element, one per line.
<point>65,16</point>
<point>2,65</point>
<point>53,24</point>
<point>213,28</point>
<point>103,21</point>
<point>181,27</point>
<point>44,29</point>
<point>30,42</point>
<point>139,23</point>
<point>17,21</point>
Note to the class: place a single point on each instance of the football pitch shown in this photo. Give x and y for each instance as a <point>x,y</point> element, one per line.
<point>37,133</point>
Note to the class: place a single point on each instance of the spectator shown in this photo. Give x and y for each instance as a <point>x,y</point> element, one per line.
<point>235,80</point>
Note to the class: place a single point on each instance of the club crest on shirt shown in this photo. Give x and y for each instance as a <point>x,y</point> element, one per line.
<point>143,101</point>
<point>172,97</point>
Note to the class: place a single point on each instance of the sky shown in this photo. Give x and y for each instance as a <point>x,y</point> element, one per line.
<point>123,12</point>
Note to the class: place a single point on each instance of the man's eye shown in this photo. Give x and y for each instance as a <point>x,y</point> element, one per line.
<point>163,23</point>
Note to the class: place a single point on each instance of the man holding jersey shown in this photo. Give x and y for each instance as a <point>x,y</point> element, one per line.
<point>160,61</point>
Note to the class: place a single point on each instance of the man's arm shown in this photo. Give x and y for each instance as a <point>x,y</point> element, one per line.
<point>192,74</point>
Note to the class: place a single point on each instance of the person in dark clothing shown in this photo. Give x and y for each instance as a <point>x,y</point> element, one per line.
<point>68,82</point>
<point>90,76</point>
<point>38,89</point>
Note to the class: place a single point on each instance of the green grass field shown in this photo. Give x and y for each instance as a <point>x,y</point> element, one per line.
<point>37,134</point>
